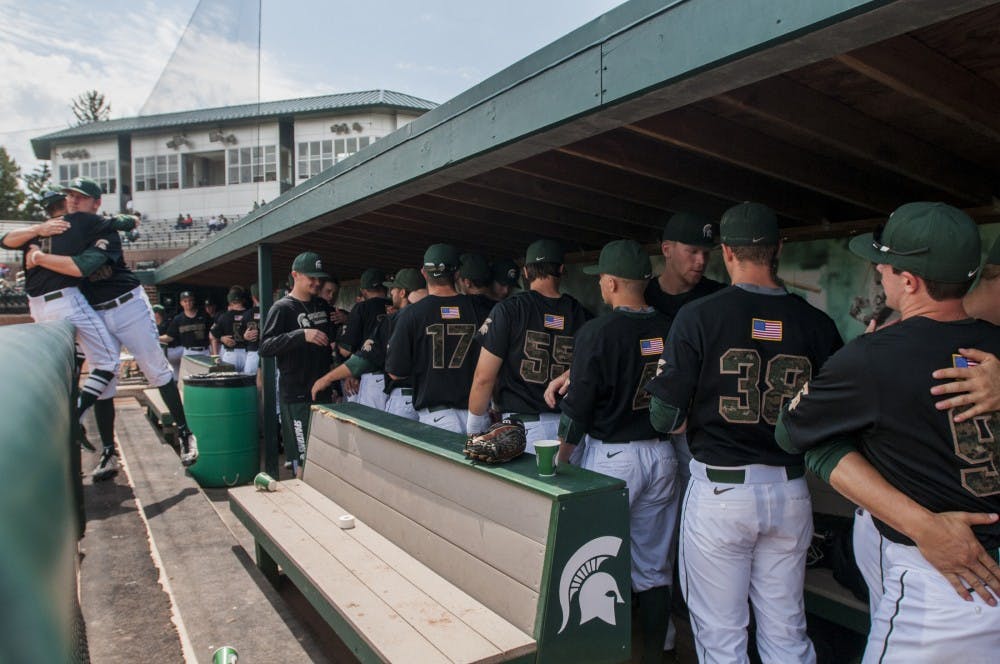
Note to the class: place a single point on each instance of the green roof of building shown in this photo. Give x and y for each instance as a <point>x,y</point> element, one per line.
<point>270,109</point>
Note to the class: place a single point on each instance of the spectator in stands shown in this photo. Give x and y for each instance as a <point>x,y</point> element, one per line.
<point>179,226</point>
<point>223,222</point>
<point>213,224</point>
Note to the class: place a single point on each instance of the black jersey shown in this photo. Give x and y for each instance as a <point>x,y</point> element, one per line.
<point>189,332</point>
<point>374,347</point>
<point>671,304</point>
<point>878,387</point>
<point>434,345</point>
<point>113,279</point>
<point>533,335</point>
<point>614,357</point>
<point>254,324</point>
<point>86,233</point>
<point>283,337</point>
<point>731,360</point>
<point>232,323</point>
<point>361,322</point>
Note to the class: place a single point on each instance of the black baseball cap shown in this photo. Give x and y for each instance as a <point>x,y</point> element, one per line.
<point>408,278</point>
<point>236,294</point>
<point>623,258</point>
<point>310,264</point>
<point>932,240</point>
<point>441,259</point>
<point>474,267</point>
<point>372,278</point>
<point>690,228</point>
<point>749,224</point>
<point>51,197</point>
<point>544,251</point>
<point>185,294</point>
<point>505,272</point>
<point>85,186</point>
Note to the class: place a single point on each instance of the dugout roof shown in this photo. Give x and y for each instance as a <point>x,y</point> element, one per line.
<point>833,112</point>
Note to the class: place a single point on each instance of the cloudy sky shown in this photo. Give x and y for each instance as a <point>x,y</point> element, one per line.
<point>53,50</point>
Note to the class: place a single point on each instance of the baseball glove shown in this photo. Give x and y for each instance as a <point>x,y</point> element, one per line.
<point>502,442</point>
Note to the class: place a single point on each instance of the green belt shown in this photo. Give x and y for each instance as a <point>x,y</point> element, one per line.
<point>435,409</point>
<point>525,417</point>
<point>406,391</point>
<point>739,476</point>
<point>54,295</point>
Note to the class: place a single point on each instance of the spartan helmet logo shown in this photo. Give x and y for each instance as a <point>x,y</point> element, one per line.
<point>319,264</point>
<point>303,321</point>
<point>706,231</point>
<point>485,327</point>
<point>368,345</point>
<point>596,592</point>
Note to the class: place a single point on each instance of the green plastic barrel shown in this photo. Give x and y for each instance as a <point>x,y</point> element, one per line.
<point>221,411</point>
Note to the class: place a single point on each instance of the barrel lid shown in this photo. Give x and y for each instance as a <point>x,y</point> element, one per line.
<point>221,379</point>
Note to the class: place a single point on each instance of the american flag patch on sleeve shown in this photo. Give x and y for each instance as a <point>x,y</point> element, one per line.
<point>765,330</point>
<point>450,313</point>
<point>962,362</point>
<point>651,346</point>
<point>554,322</point>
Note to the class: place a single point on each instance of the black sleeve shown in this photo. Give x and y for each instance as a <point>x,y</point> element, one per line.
<point>280,334</point>
<point>375,351</point>
<point>586,378</point>
<point>680,369</point>
<point>495,337</point>
<point>354,330</point>
<point>218,329</point>
<point>399,354</point>
<point>842,399</point>
<point>173,330</point>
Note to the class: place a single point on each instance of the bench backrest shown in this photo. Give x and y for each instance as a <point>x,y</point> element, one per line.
<point>524,546</point>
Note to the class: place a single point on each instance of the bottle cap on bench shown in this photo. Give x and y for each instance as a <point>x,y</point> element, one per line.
<point>346,522</point>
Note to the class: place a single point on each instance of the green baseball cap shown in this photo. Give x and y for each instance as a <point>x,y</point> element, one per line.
<point>993,258</point>
<point>310,264</point>
<point>474,267</point>
<point>932,240</point>
<point>690,228</point>
<point>158,308</point>
<point>372,278</point>
<point>505,272</point>
<point>236,294</point>
<point>408,278</point>
<point>544,251</point>
<point>440,259</point>
<point>749,224</point>
<point>623,258</point>
<point>84,186</point>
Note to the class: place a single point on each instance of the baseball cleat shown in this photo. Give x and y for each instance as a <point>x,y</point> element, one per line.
<point>189,447</point>
<point>107,467</point>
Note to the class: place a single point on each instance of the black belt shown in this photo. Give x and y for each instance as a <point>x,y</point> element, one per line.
<point>739,476</point>
<point>406,391</point>
<point>111,304</point>
<point>54,295</point>
<point>525,417</point>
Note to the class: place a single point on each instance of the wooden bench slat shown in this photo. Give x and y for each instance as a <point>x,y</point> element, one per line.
<point>507,638</point>
<point>371,618</point>
<point>529,515</point>
<point>505,549</point>
<point>155,401</point>
<point>509,598</point>
<point>446,631</point>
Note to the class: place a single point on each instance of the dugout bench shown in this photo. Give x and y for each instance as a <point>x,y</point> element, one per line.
<point>449,561</point>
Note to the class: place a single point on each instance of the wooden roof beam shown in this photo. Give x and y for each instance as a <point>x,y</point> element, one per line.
<point>797,108</point>
<point>721,139</point>
<point>907,66</point>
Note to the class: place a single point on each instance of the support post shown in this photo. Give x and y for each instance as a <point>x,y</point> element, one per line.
<point>270,417</point>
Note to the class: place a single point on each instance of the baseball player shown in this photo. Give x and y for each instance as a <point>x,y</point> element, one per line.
<point>687,241</point>
<point>434,345</point>
<point>877,391</point>
<point>361,324</point>
<point>526,342</point>
<point>614,357</point>
<point>297,333</point>
<point>189,330</point>
<point>115,293</point>
<point>475,279</point>
<point>371,356</point>
<point>235,329</point>
<point>78,244</point>
<point>731,360</point>
<point>504,279</point>
<point>212,312</point>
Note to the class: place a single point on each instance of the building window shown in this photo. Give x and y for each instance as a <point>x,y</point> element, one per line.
<point>152,173</point>
<point>258,164</point>
<point>102,172</point>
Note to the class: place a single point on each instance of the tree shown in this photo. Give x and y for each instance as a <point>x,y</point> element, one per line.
<point>91,106</point>
<point>37,182</point>
<point>11,195</point>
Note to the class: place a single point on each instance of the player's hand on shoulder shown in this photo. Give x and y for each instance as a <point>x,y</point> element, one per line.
<point>251,334</point>
<point>976,386</point>
<point>318,337</point>
<point>54,226</point>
